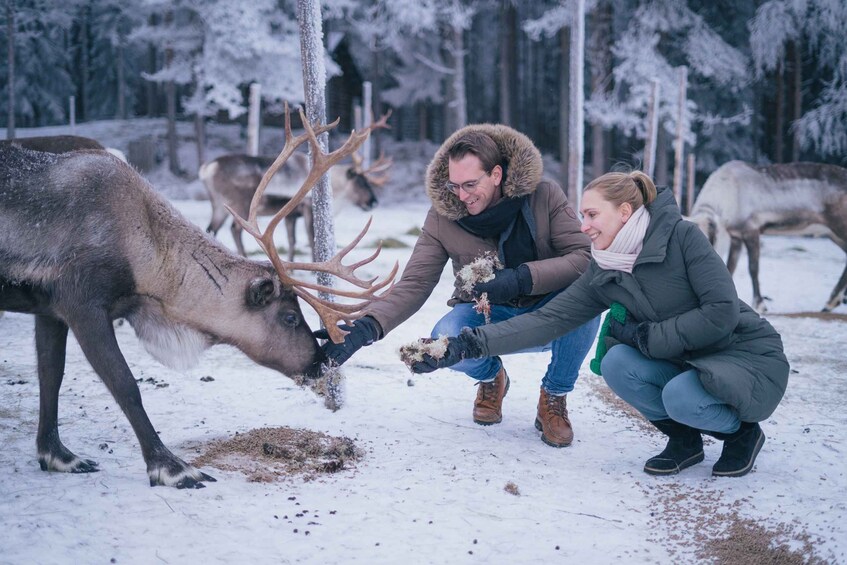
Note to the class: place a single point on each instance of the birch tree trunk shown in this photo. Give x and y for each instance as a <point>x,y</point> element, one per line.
<point>679,146</point>
<point>564,109</point>
<point>314,84</point>
<point>10,53</point>
<point>170,96</point>
<point>652,129</point>
<point>577,126</point>
<point>798,98</point>
<point>779,125</point>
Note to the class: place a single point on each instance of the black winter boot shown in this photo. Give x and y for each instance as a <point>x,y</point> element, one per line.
<point>740,449</point>
<point>684,449</point>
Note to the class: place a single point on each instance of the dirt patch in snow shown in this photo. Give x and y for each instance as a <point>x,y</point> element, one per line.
<point>274,454</point>
<point>701,525</point>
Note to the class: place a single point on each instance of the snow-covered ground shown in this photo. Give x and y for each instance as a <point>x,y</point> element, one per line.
<point>431,487</point>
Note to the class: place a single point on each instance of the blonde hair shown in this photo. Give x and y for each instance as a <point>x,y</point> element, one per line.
<point>634,187</point>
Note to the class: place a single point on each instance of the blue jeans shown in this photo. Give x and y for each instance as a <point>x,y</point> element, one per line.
<point>569,351</point>
<point>661,390</point>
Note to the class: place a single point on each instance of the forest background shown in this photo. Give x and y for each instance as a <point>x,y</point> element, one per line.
<point>766,80</point>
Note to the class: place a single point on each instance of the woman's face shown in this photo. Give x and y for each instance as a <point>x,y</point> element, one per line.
<point>601,219</point>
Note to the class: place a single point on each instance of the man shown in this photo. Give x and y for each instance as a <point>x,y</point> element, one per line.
<point>488,196</point>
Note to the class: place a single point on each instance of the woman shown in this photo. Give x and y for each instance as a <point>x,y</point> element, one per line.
<point>690,356</point>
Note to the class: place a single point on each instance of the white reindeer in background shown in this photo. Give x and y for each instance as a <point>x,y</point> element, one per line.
<point>789,199</point>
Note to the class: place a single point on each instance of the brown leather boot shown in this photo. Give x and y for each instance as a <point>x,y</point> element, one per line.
<point>487,408</point>
<point>552,420</point>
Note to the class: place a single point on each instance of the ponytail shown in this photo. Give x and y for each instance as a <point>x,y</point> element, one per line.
<point>635,188</point>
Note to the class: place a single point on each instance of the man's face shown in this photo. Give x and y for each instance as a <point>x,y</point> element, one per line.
<point>487,189</point>
<point>601,219</point>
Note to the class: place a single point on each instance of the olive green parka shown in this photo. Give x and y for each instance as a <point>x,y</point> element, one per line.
<point>682,289</point>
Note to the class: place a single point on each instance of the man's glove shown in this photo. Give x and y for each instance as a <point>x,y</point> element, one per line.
<point>506,285</point>
<point>465,346</point>
<point>364,331</point>
<point>630,333</point>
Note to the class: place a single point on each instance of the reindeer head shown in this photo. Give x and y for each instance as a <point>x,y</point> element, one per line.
<point>361,181</point>
<point>330,312</point>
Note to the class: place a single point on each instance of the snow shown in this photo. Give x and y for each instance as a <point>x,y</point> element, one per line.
<point>432,485</point>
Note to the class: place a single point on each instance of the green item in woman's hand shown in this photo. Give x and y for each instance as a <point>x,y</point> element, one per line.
<point>618,312</point>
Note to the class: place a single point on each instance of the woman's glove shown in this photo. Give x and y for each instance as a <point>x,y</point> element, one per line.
<point>364,331</point>
<point>465,346</point>
<point>630,333</point>
<point>506,285</point>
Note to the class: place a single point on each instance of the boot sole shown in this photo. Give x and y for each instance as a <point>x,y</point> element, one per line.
<point>693,460</point>
<point>500,419</point>
<point>747,468</point>
<point>544,438</point>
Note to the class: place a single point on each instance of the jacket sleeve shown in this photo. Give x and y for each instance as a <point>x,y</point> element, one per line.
<point>571,247</point>
<point>717,315</point>
<point>564,312</point>
<point>419,278</point>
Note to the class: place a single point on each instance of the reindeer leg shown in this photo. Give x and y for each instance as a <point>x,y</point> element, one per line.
<point>734,250</point>
<point>51,337</point>
<point>309,218</point>
<point>838,296</point>
<point>752,243</point>
<point>290,227</point>
<point>96,337</point>
<point>236,230</point>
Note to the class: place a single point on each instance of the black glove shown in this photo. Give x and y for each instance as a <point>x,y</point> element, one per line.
<point>465,346</point>
<point>506,285</point>
<point>364,331</point>
<point>630,333</point>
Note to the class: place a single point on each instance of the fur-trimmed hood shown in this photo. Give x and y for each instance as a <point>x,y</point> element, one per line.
<point>523,171</point>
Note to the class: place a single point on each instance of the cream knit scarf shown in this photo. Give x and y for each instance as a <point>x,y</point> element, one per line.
<point>621,254</point>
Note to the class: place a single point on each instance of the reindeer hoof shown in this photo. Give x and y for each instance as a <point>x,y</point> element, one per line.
<point>66,463</point>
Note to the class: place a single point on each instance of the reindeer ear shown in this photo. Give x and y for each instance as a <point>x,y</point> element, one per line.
<point>260,292</point>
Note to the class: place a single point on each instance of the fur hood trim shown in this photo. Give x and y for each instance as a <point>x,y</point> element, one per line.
<point>523,172</point>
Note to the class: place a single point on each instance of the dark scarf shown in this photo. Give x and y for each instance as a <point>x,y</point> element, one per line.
<point>519,246</point>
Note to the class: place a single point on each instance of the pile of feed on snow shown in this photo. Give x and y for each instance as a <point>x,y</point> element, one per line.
<point>479,270</point>
<point>414,352</point>
<point>272,454</point>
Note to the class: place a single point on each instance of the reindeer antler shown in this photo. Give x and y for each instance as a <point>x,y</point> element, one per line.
<point>330,312</point>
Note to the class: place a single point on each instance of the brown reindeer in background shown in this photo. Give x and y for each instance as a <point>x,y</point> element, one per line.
<point>86,240</point>
<point>748,200</point>
<point>231,181</point>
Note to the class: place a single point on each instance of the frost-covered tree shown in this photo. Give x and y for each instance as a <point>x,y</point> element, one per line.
<point>36,31</point>
<point>820,26</point>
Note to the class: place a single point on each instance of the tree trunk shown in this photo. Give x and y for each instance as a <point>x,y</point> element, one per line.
<point>652,129</point>
<point>314,84</point>
<point>84,64</point>
<point>600,66</point>
<point>779,116</point>
<point>577,101</point>
<point>508,25</point>
<point>798,98</point>
<point>151,89</point>
<point>679,145</point>
<point>376,95</point>
<point>121,78</point>
<point>170,95</point>
<point>10,58</point>
<point>662,157</point>
<point>460,112</point>
<point>200,135</point>
<point>564,109</point>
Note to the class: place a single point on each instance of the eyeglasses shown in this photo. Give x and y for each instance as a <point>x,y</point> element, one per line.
<point>468,186</point>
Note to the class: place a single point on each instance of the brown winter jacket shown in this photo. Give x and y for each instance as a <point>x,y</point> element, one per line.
<point>563,251</point>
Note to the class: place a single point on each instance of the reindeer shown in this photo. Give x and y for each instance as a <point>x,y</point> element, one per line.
<point>231,181</point>
<point>748,200</point>
<point>86,240</point>
<point>61,144</point>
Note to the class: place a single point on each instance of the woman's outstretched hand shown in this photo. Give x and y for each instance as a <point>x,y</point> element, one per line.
<point>465,346</point>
